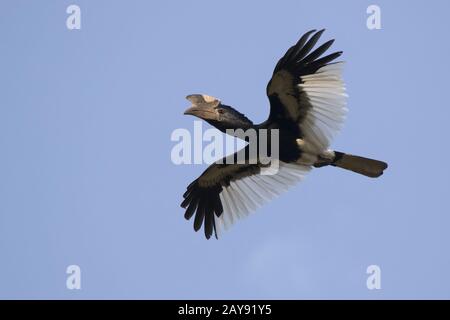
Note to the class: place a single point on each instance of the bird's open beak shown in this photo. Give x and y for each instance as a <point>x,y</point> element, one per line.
<point>202,112</point>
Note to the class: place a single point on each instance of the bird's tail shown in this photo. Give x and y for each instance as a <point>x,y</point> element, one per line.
<point>365,166</point>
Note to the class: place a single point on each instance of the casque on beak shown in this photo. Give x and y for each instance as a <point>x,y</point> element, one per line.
<point>202,112</point>
<point>203,106</point>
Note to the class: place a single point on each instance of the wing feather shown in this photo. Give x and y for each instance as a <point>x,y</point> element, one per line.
<point>225,193</point>
<point>310,91</point>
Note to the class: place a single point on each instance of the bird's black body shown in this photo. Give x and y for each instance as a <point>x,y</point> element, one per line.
<point>307,106</point>
<point>289,132</point>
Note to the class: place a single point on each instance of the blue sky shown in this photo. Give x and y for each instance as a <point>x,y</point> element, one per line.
<point>86,176</point>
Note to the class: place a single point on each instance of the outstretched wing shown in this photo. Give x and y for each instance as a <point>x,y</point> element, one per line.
<point>225,193</point>
<point>309,91</point>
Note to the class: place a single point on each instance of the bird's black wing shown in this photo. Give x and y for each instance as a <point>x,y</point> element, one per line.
<point>224,193</point>
<point>308,90</point>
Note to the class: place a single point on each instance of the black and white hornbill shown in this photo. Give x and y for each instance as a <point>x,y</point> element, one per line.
<point>308,106</point>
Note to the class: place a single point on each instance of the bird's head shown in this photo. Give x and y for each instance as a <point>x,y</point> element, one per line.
<point>217,114</point>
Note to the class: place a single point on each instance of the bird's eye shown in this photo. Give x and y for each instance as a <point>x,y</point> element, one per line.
<point>221,111</point>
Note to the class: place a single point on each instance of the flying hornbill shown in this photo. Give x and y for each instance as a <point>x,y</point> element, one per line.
<point>308,106</point>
